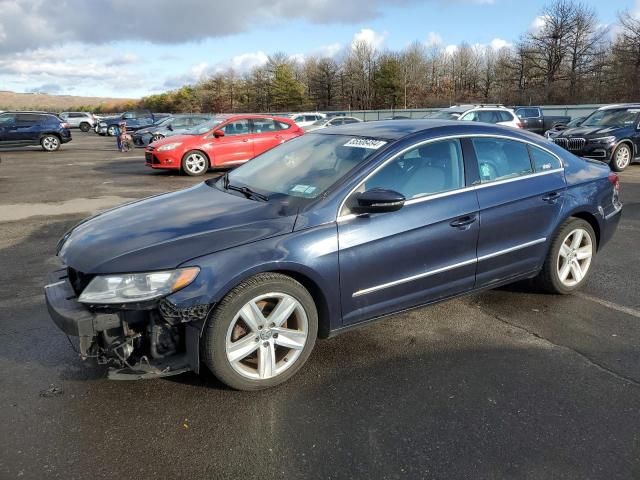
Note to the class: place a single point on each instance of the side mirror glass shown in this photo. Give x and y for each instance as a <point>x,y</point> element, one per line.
<point>378,200</point>
<point>218,133</point>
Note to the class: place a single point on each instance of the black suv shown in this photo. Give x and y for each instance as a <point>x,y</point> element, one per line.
<point>21,129</point>
<point>610,134</point>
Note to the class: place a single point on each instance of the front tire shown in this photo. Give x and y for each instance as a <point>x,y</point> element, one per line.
<point>621,157</point>
<point>50,143</point>
<point>570,256</point>
<point>111,131</point>
<point>261,333</point>
<point>195,163</point>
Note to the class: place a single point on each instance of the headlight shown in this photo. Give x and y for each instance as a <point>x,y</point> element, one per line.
<point>169,146</point>
<point>136,287</point>
<point>603,140</point>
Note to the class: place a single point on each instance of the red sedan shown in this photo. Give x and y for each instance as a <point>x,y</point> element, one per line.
<point>225,141</point>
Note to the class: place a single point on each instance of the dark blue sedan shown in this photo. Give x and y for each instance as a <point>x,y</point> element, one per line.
<point>321,234</point>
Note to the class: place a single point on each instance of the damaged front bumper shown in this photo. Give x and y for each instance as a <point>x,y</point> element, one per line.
<point>158,340</point>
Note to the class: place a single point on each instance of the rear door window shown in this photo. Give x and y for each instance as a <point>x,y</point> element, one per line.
<point>264,125</point>
<point>7,119</point>
<point>500,159</point>
<point>27,119</point>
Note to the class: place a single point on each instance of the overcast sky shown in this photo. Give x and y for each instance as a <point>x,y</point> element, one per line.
<point>127,48</point>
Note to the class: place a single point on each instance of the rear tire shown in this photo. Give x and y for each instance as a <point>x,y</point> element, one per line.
<point>570,257</point>
<point>195,163</point>
<point>261,333</point>
<point>50,143</point>
<point>621,157</point>
<point>85,127</point>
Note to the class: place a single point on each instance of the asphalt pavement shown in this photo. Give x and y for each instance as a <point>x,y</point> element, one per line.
<point>509,383</point>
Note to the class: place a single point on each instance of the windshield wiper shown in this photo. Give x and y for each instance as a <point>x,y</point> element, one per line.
<point>246,191</point>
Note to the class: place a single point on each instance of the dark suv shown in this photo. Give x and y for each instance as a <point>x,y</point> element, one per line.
<point>21,129</point>
<point>610,134</point>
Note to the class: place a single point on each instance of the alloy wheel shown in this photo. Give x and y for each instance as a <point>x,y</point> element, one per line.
<point>50,143</point>
<point>622,157</point>
<point>574,258</point>
<point>267,336</point>
<point>195,163</point>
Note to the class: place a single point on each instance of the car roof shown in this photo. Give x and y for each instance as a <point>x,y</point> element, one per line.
<point>620,105</point>
<point>398,129</point>
<point>30,111</point>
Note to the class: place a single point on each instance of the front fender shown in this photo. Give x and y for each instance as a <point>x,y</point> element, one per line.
<point>309,255</point>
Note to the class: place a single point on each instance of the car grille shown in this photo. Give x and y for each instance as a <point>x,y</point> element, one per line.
<point>151,158</point>
<point>78,280</point>
<point>571,144</point>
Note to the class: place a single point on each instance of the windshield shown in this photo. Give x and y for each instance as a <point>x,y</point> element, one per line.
<point>612,118</point>
<point>164,121</point>
<point>306,166</point>
<point>204,127</point>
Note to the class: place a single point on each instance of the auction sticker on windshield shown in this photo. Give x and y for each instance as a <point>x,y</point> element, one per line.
<point>365,143</point>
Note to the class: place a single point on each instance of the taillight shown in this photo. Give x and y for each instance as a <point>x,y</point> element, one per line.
<point>64,125</point>
<point>615,181</point>
<point>519,124</point>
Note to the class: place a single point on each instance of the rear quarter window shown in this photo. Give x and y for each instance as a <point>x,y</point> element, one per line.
<point>543,161</point>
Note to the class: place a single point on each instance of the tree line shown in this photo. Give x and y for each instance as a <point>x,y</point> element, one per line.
<point>570,58</point>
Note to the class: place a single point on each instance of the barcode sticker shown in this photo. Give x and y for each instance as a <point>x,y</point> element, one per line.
<point>365,143</point>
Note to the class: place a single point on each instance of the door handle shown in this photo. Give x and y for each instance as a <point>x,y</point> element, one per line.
<point>463,222</point>
<point>245,139</point>
<point>552,197</point>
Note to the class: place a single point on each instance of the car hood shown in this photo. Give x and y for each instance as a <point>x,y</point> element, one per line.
<point>591,132</point>
<point>165,231</point>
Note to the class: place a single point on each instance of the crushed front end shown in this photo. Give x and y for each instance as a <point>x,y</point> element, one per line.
<point>146,339</point>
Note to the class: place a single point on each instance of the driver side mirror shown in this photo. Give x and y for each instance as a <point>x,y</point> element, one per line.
<point>218,133</point>
<point>378,200</point>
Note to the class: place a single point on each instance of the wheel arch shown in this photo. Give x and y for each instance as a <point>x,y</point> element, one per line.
<point>591,219</point>
<point>624,141</point>
<point>299,273</point>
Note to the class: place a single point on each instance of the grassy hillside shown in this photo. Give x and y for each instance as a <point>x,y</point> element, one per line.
<point>59,103</point>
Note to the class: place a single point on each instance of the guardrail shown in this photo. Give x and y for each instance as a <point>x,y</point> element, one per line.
<point>572,111</point>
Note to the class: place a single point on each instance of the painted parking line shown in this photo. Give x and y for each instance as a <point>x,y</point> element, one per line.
<point>614,306</point>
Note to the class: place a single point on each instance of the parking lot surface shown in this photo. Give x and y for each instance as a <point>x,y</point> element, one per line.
<point>509,383</point>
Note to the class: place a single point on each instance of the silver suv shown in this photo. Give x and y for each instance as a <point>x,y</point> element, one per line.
<point>82,120</point>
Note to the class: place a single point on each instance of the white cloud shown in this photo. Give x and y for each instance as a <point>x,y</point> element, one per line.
<point>538,23</point>
<point>433,39</point>
<point>330,50</point>
<point>297,57</point>
<point>450,49</point>
<point>370,37</point>
<point>499,43</point>
<point>246,61</point>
